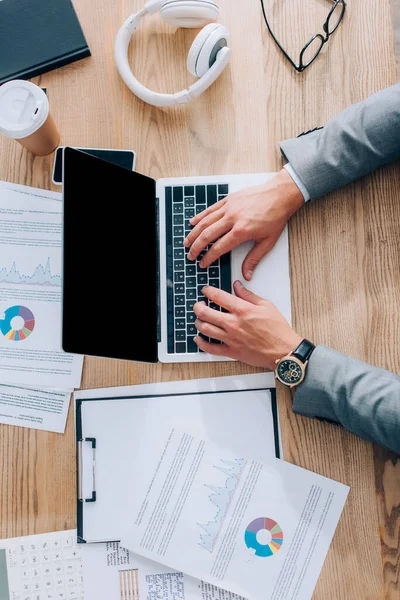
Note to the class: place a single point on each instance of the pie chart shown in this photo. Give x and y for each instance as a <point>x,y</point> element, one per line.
<point>276,537</point>
<point>20,328</point>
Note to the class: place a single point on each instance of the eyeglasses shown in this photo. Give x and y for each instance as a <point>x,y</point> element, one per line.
<point>314,46</point>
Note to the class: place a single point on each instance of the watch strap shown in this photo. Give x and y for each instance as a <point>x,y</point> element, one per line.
<point>304,350</point>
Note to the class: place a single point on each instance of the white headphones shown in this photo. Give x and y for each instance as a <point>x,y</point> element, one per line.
<point>208,55</point>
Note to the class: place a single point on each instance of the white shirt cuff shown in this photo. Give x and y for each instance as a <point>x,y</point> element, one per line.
<point>297,181</point>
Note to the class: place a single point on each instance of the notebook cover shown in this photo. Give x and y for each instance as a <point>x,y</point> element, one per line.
<point>37,36</point>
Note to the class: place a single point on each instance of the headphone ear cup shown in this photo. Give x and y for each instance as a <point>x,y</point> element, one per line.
<point>189,13</point>
<point>203,52</point>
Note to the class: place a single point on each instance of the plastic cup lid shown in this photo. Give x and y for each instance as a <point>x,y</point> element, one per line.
<point>24,108</point>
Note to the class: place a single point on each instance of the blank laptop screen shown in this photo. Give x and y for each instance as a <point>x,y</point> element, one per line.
<point>109,260</point>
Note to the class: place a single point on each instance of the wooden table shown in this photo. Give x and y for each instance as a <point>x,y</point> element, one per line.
<point>344,250</point>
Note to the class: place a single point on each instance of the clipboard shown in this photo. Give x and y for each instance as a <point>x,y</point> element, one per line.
<point>238,412</point>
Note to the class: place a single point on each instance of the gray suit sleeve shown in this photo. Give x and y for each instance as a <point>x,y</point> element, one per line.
<point>357,141</point>
<point>343,390</point>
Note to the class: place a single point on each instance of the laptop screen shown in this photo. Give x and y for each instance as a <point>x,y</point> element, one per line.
<point>109,260</point>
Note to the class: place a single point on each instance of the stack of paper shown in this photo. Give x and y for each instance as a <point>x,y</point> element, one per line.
<point>192,502</point>
<point>37,376</point>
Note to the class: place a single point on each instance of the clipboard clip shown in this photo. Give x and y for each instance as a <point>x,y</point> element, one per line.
<point>80,470</point>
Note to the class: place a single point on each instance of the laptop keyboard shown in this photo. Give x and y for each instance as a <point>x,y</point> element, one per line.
<point>185,278</point>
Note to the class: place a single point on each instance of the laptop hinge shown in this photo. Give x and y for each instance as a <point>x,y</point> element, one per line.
<point>158,270</point>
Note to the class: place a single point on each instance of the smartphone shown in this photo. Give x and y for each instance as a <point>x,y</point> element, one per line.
<point>122,158</point>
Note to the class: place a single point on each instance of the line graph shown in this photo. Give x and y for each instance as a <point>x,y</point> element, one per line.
<point>221,497</point>
<point>41,275</point>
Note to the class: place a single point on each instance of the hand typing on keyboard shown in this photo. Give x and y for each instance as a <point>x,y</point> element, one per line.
<point>252,331</point>
<point>258,213</point>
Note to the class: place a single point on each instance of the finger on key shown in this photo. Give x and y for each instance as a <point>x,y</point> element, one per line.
<point>205,313</point>
<point>224,299</point>
<point>209,235</point>
<point>197,218</point>
<point>225,244</point>
<point>206,222</point>
<point>210,331</point>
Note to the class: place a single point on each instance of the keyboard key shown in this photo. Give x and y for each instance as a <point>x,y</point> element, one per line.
<point>199,209</point>
<point>178,230</point>
<point>178,219</point>
<point>178,209</point>
<point>191,345</point>
<point>71,579</point>
<point>201,269</point>
<point>202,278</point>
<point>179,265</point>
<point>191,294</point>
<point>191,270</point>
<point>179,253</point>
<point>200,194</point>
<point>211,195</point>
<point>178,242</point>
<point>189,190</point>
<point>189,202</point>
<point>180,348</point>
<point>180,335</point>
<point>214,306</point>
<point>213,272</point>
<point>180,323</point>
<point>191,317</point>
<point>179,311</point>
<point>214,283</point>
<point>190,282</point>
<point>202,299</point>
<point>189,305</point>
<point>179,276</point>
<point>188,227</point>
<point>67,542</point>
<point>223,189</point>
<point>191,330</point>
<point>221,197</point>
<point>179,288</point>
<point>189,213</point>
<point>179,300</point>
<point>177,194</point>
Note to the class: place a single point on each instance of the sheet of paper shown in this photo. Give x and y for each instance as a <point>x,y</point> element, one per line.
<point>33,408</point>
<point>30,291</point>
<point>112,572</point>
<point>260,530</point>
<point>237,412</point>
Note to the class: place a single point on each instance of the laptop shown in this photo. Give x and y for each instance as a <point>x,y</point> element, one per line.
<point>128,286</point>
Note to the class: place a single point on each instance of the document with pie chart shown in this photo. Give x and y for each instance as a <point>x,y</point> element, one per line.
<point>260,530</point>
<point>30,311</point>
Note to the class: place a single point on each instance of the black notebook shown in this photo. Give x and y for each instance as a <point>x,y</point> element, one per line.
<point>37,36</point>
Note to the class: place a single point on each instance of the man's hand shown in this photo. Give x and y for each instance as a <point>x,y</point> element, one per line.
<point>253,331</point>
<point>257,213</point>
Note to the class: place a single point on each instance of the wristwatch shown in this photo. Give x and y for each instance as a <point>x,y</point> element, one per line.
<point>291,369</point>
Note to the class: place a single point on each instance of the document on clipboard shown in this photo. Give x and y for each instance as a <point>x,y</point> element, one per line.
<point>239,413</point>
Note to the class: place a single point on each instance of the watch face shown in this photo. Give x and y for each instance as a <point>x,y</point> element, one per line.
<point>289,371</point>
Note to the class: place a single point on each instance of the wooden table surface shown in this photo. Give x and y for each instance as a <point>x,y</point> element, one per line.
<point>343,249</point>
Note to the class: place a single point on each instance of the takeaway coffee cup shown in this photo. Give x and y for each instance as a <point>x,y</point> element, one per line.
<point>25,117</point>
